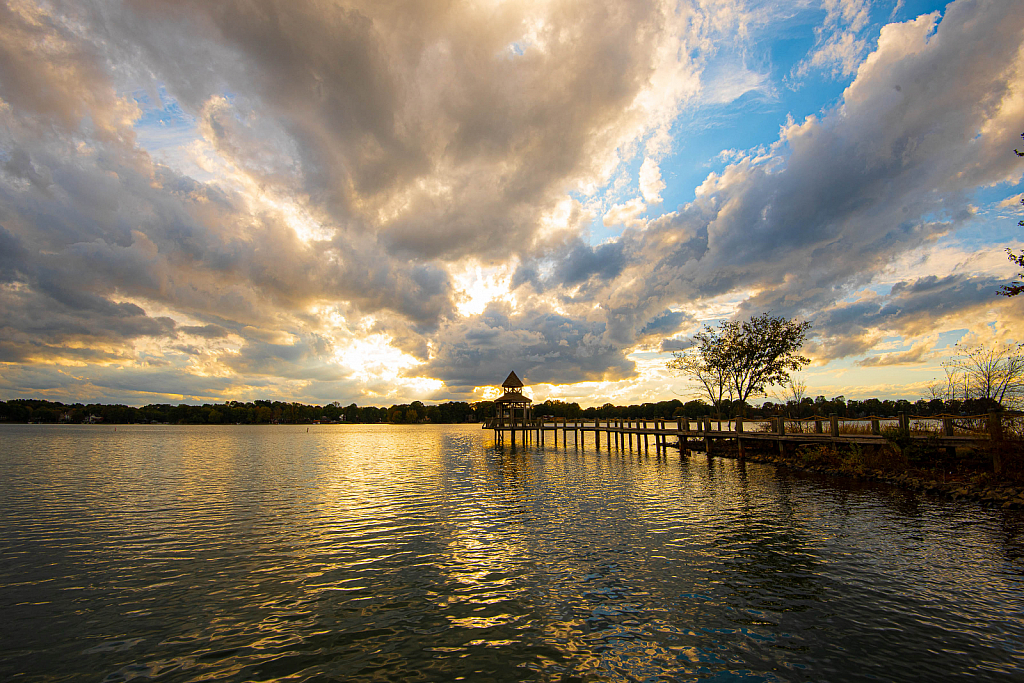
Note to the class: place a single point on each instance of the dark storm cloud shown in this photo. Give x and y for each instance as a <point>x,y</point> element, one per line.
<point>113,383</point>
<point>12,254</point>
<point>910,309</point>
<point>540,346</point>
<point>383,100</point>
<point>667,323</point>
<point>583,262</point>
<point>205,331</point>
<point>45,306</point>
<point>307,358</point>
<point>910,303</point>
<point>159,382</point>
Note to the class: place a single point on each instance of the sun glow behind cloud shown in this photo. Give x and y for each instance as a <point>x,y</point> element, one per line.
<point>368,357</point>
<point>479,285</point>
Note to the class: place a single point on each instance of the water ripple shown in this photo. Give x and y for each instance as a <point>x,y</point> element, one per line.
<point>423,553</point>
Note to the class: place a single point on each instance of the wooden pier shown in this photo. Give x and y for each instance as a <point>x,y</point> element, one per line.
<point>514,421</point>
<point>706,434</point>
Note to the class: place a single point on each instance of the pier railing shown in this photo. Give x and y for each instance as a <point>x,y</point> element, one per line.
<point>940,431</point>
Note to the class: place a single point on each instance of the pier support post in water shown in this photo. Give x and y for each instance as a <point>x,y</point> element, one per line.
<point>947,430</point>
<point>833,420</point>
<point>739,431</point>
<point>995,432</point>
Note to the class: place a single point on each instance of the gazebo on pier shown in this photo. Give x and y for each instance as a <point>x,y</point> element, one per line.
<point>512,410</point>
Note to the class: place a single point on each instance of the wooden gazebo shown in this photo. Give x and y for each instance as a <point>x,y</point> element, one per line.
<point>512,409</point>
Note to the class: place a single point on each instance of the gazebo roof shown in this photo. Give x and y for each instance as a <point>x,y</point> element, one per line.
<point>512,380</point>
<point>512,398</point>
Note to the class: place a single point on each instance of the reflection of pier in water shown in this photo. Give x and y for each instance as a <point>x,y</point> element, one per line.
<point>514,419</point>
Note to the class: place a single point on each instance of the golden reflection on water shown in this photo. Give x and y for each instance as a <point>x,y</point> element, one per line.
<point>391,552</point>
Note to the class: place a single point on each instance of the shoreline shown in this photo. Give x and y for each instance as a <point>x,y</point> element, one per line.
<point>1006,496</point>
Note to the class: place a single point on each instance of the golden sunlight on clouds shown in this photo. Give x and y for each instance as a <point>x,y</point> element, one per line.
<point>562,221</point>
<point>369,357</point>
<point>372,359</point>
<point>369,201</point>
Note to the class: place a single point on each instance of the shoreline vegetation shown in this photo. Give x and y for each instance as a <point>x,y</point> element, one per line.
<point>29,410</point>
<point>968,474</point>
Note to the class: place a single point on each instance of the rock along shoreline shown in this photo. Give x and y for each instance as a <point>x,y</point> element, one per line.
<point>1008,496</point>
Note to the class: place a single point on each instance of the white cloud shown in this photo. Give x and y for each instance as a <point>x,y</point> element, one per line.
<point>839,41</point>
<point>651,183</point>
<point>1013,202</point>
<point>625,213</point>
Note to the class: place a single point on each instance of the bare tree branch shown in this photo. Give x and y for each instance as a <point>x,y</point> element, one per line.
<point>987,373</point>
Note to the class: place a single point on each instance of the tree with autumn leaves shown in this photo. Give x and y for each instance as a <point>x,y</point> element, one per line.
<point>739,360</point>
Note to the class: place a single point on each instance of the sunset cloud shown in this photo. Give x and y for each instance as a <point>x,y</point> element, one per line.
<point>375,201</point>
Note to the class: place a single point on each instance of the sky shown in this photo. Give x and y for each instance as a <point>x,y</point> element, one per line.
<point>379,202</point>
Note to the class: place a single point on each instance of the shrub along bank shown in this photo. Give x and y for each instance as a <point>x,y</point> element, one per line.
<point>967,473</point>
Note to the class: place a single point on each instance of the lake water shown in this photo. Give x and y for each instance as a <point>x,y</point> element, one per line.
<point>394,553</point>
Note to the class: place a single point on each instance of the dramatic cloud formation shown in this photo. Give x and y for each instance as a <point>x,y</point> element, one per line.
<point>381,201</point>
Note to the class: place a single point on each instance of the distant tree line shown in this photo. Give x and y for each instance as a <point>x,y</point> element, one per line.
<point>231,412</point>
<point>802,407</point>
<point>872,407</point>
<point>453,412</point>
<point>649,411</point>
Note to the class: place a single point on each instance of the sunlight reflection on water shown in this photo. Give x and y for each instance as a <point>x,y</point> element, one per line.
<point>379,552</point>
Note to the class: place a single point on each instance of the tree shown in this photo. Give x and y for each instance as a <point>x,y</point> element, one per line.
<point>793,394</point>
<point>766,352</point>
<point>707,362</point>
<point>1015,288</point>
<point>741,360</point>
<point>993,375</point>
<point>792,391</point>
